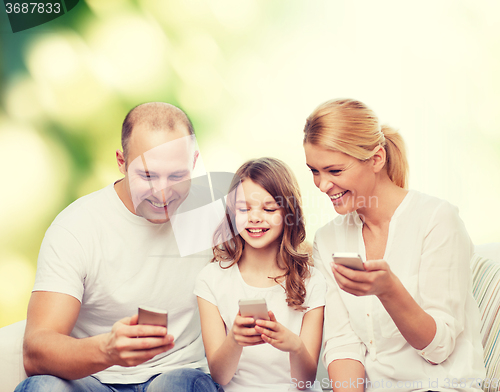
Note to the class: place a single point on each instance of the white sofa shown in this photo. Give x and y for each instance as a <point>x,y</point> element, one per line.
<point>11,356</point>
<point>486,277</point>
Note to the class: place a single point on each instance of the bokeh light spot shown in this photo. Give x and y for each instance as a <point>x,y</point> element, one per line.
<point>34,174</point>
<point>17,277</point>
<point>131,53</point>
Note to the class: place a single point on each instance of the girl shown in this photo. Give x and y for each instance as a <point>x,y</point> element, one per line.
<point>409,321</point>
<point>259,257</point>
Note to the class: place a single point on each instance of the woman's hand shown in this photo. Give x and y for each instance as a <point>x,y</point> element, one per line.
<point>377,279</point>
<point>244,333</point>
<point>277,335</point>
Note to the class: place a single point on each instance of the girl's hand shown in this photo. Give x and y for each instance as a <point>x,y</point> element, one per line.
<point>243,332</point>
<point>377,279</point>
<point>277,335</point>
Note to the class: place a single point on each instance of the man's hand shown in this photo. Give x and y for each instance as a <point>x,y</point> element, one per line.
<point>130,344</point>
<point>49,348</point>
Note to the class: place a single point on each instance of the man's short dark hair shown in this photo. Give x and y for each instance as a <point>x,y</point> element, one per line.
<point>157,116</point>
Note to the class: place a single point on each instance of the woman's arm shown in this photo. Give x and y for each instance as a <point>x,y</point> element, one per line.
<point>344,351</point>
<point>416,326</point>
<point>432,325</point>
<point>223,351</point>
<point>303,350</point>
<point>347,375</point>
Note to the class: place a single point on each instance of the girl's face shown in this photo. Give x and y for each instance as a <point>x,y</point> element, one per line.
<point>259,219</point>
<point>348,182</point>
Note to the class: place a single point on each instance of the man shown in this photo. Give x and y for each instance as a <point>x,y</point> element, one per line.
<point>110,252</point>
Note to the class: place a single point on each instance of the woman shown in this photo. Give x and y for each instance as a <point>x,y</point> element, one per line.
<point>409,320</point>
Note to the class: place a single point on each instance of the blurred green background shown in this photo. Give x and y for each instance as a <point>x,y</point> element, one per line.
<point>248,73</point>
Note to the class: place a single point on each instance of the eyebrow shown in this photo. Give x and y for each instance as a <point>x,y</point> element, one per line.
<point>266,203</point>
<point>327,167</point>
<point>141,171</point>
<point>150,174</point>
<point>180,172</point>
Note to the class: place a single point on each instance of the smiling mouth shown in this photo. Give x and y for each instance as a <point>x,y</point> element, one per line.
<point>158,205</point>
<point>257,231</point>
<point>338,195</point>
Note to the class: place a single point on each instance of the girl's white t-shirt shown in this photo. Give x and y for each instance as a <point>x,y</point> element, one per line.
<point>261,367</point>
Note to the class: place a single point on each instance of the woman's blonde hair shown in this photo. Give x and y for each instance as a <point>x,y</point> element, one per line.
<point>278,180</point>
<point>351,127</point>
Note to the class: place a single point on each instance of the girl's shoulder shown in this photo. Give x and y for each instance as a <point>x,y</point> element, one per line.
<point>315,289</point>
<point>218,268</point>
<point>315,277</point>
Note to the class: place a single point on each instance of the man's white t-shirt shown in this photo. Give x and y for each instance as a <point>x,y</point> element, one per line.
<point>262,367</point>
<point>113,261</point>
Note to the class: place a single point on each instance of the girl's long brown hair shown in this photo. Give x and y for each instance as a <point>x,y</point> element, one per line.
<point>277,179</point>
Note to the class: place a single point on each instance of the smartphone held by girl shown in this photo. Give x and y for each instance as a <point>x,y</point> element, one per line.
<point>261,257</point>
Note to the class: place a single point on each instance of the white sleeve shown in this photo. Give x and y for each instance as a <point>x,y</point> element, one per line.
<point>61,263</point>
<point>340,341</point>
<point>204,284</point>
<point>445,279</point>
<point>315,290</point>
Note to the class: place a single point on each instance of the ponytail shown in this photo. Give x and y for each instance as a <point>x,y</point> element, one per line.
<point>396,161</point>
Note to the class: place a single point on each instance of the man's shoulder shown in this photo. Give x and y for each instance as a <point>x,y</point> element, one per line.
<point>85,207</point>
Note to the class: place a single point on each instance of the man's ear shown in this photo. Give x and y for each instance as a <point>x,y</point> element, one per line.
<point>379,159</point>
<point>196,155</point>
<point>120,159</point>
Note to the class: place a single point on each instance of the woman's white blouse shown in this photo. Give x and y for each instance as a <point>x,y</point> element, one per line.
<point>429,250</point>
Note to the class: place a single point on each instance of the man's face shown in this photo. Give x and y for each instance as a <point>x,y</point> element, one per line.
<point>158,176</point>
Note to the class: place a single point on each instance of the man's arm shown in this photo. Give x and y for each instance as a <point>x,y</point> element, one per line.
<point>48,348</point>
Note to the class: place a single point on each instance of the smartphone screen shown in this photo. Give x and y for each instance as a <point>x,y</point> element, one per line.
<point>153,316</point>
<point>349,260</point>
<point>255,308</point>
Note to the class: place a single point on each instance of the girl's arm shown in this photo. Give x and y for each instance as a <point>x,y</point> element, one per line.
<point>223,351</point>
<point>303,350</point>
<point>304,364</point>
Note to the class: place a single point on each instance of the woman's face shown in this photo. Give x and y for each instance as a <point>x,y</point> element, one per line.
<point>348,182</point>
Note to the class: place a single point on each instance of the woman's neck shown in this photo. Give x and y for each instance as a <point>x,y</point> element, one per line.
<point>383,202</point>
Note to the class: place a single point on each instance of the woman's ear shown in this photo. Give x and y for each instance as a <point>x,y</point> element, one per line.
<point>379,158</point>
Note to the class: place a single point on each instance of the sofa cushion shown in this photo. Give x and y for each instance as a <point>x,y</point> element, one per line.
<point>11,358</point>
<point>486,290</point>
